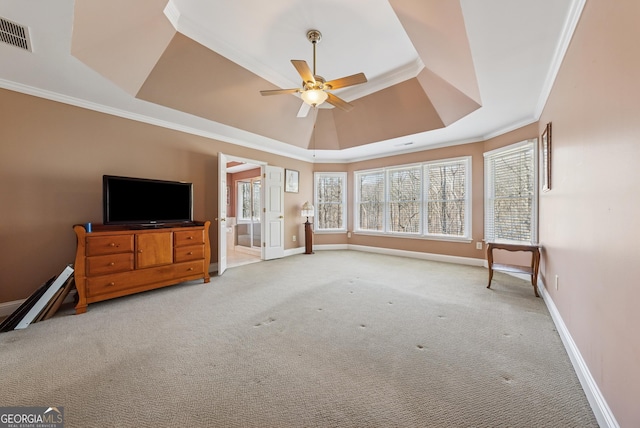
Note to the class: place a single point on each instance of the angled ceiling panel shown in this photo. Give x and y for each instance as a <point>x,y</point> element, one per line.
<point>438,33</point>
<point>450,103</point>
<point>399,110</point>
<point>121,39</point>
<point>191,78</point>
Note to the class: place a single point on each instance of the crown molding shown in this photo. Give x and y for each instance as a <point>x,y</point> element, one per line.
<point>569,27</point>
<point>227,134</point>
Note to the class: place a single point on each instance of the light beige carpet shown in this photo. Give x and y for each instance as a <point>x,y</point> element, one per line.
<point>334,339</point>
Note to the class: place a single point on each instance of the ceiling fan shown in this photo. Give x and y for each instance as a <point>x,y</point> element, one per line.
<point>315,89</point>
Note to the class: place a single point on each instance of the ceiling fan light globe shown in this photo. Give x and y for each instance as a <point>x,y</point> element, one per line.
<point>314,97</point>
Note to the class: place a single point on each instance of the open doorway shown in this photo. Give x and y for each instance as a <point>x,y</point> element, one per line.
<point>244,226</point>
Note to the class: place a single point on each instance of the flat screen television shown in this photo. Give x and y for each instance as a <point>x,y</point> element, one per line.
<point>146,202</point>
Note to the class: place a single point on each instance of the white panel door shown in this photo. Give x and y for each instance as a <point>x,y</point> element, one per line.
<point>222,213</point>
<point>273,197</point>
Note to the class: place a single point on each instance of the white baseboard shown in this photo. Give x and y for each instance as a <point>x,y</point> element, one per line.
<point>403,253</point>
<point>294,251</point>
<point>599,405</point>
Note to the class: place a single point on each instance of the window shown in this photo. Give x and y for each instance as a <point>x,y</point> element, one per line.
<point>370,203</point>
<point>404,200</point>
<point>431,199</point>
<point>330,201</point>
<point>447,198</point>
<point>511,193</point>
<point>248,200</point>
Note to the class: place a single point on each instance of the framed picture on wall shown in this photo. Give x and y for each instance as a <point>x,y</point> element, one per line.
<point>291,180</point>
<point>545,158</point>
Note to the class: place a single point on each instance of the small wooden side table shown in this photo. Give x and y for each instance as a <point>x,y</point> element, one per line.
<point>528,270</point>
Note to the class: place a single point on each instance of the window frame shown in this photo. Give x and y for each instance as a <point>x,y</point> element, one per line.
<point>468,198</point>
<point>239,200</point>
<point>530,144</point>
<point>424,200</point>
<point>343,177</point>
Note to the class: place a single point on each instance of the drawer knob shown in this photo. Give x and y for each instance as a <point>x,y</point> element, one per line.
<point>190,253</point>
<point>139,251</point>
<point>189,237</point>
<point>112,264</point>
<point>111,284</point>
<point>190,268</point>
<point>113,244</point>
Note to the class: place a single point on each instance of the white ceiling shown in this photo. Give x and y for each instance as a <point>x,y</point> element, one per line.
<point>516,45</point>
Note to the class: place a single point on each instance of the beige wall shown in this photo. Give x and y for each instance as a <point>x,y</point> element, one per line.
<point>52,158</point>
<point>590,220</point>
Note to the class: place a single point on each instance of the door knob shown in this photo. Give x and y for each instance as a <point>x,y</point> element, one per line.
<point>281,216</point>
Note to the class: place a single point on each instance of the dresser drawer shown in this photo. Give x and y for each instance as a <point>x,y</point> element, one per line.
<point>111,263</point>
<point>184,254</point>
<point>124,282</point>
<point>188,237</point>
<point>110,244</point>
<point>188,268</point>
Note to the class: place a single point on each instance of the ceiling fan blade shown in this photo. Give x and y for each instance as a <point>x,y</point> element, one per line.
<point>343,82</point>
<point>338,102</point>
<point>304,110</point>
<point>303,70</point>
<point>279,91</point>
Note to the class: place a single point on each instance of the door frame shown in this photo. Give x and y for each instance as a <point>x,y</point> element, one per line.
<point>222,210</point>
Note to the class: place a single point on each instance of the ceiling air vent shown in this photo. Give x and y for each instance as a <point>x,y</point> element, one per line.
<point>14,34</point>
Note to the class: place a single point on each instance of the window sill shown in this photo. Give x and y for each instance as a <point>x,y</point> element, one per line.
<point>329,232</point>
<point>462,240</point>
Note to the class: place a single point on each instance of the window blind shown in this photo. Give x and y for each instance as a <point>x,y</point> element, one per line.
<point>510,194</point>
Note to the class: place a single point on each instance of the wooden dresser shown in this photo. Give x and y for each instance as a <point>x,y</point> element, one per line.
<point>116,261</point>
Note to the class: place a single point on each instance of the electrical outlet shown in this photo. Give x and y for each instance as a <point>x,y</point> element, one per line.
<point>348,234</point>
<point>294,238</point>
<point>556,282</point>
<point>478,245</point>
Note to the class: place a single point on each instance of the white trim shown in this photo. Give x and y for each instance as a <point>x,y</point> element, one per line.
<point>331,247</point>
<point>403,253</point>
<point>444,238</point>
<point>575,11</point>
<point>489,184</point>
<point>223,133</point>
<point>294,251</point>
<point>599,405</point>
<point>345,180</point>
<point>423,167</point>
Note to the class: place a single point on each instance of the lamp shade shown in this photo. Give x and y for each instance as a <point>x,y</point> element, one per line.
<point>307,210</point>
<point>314,97</point>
